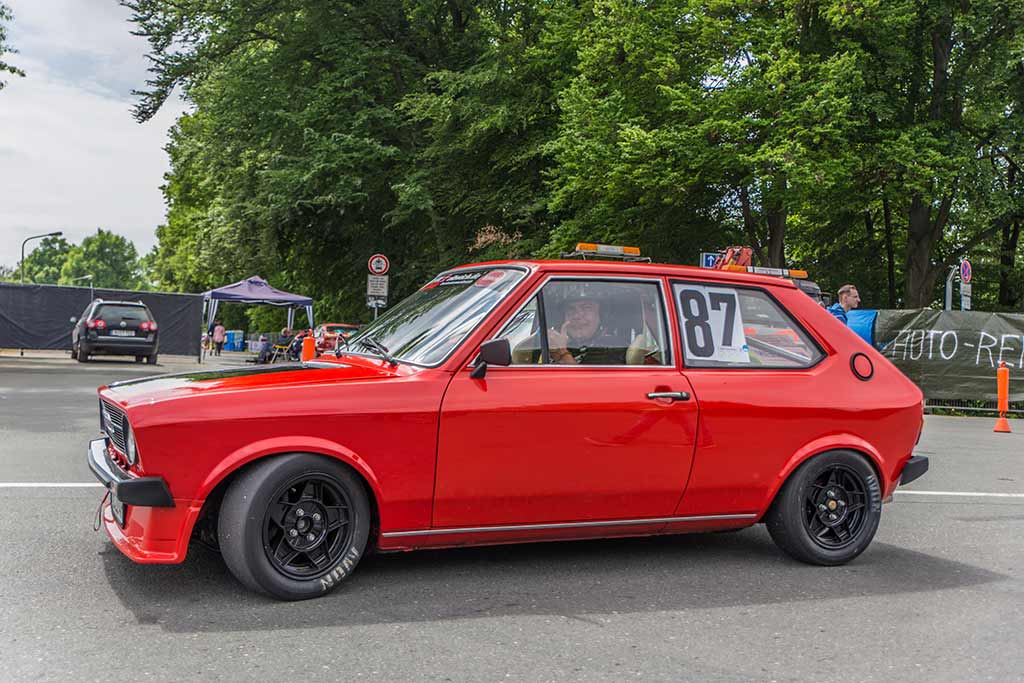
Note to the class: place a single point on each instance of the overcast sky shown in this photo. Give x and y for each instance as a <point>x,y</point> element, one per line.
<point>72,158</point>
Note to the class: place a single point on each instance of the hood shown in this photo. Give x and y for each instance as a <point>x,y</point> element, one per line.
<point>319,371</point>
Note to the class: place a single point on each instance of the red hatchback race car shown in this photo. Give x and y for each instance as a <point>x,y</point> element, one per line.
<point>520,401</point>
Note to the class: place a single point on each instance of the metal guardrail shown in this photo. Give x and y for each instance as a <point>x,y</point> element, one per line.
<point>970,406</point>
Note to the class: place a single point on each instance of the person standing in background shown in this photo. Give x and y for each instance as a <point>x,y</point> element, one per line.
<point>849,299</point>
<point>218,337</point>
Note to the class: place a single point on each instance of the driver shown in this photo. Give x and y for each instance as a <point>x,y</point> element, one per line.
<point>582,338</point>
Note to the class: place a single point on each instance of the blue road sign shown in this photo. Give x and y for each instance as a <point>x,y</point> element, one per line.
<point>708,258</point>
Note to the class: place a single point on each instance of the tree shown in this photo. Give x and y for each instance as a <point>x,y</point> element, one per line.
<point>6,17</point>
<point>44,263</point>
<point>110,258</point>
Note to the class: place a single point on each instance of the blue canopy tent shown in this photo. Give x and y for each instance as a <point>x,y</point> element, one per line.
<point>255,290</point>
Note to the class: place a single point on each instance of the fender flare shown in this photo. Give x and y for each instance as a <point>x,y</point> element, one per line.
<point>287,444</point>
<point>820,445</point>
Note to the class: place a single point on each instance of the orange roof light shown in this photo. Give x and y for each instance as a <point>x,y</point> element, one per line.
<point>778,272</point>
<point>608,249</point>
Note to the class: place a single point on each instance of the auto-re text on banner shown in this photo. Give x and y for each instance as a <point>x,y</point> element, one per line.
<point>954,354</point>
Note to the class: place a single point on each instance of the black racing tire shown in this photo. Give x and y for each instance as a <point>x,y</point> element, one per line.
<point>81,356</point>
<point>828,510</point>
<point>319,498</point>
<point>151,360</point>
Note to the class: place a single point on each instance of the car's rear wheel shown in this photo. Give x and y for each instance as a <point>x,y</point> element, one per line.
<point>294,526</point>
<point>828,510</point>
<point>139,359</point>
<point>80,355</point>
<point>151,360</point>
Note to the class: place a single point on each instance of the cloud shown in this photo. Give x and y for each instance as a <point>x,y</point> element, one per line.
<point>72,158</point>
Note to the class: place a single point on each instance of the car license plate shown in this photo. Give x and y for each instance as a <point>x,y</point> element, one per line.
<point>117,508</point>
<point>122,333</point>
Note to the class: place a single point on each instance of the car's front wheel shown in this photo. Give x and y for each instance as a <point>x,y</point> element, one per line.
<point>294,526</point>
<point>828,510</point>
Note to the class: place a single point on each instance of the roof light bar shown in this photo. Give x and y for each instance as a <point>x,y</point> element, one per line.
<point>585,250</point>
<point>608,249</point>
<point>778,272</point>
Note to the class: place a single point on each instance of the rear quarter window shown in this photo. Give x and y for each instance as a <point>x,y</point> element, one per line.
<point>739,327</point>
<point>115,313</point>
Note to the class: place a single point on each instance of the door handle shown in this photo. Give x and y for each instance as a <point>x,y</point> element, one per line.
<point>670,395</point>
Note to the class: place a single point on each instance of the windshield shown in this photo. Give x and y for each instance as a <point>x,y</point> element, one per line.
<point>426,327</point>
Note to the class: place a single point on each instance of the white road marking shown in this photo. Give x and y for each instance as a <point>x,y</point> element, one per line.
<point>959,494</point>
<point>48,484</point>
<point>92,484</point>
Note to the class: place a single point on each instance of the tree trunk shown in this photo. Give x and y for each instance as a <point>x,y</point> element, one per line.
<point>889,255</point>
<point>1008,249</point>
<point>775,214</point>
<point>750,223</point>
<point>919,280</point>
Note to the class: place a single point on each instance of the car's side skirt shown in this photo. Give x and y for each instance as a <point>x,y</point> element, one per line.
<point>565,525</point>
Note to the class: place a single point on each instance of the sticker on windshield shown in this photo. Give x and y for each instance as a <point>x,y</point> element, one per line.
<point>712,324</point>
<point>490,278</point>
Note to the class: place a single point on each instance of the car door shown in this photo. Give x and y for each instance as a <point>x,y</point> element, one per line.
<point>76,331</point>
<point>758,374</point>
<point>608,435</point>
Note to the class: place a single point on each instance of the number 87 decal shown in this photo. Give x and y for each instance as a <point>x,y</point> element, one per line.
<point>712,324</point>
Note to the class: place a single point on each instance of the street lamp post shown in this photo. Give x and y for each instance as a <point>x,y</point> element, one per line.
<point>34,237</point>
<point>58,233</point>
<point>85,277</point>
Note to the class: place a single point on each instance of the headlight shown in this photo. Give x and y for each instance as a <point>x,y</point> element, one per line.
<point>132,448</point>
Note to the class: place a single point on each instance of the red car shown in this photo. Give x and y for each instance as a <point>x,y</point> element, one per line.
<point>327,334</point>
<point>520,401</point>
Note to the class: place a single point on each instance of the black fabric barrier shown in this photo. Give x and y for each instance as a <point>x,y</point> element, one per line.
<point>38,316</point>
<point>954,354</point>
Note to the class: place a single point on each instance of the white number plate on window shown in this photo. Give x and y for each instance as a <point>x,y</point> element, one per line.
<point>123,333</point>
<point>712,324</point>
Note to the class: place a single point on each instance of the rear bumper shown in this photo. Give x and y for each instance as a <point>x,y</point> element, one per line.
<point>128,346</point>
<point>914,468</point>
<point>157,527</point>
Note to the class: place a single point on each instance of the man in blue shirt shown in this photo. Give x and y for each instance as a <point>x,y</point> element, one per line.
<point>848,300</point>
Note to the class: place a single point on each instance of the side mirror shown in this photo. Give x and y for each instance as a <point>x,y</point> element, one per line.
<point>74,320</point>
<point>493,352</point>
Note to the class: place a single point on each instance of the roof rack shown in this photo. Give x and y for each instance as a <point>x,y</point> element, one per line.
<point>589,250</point>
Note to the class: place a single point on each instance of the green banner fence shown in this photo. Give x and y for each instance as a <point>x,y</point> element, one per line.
<point>953,355</point>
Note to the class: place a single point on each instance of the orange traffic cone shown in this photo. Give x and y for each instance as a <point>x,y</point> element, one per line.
<point>1003,394</point>
<point>308,348</point>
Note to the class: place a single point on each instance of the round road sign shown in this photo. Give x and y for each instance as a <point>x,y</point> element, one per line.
<point>378,264</point>
<point>965,271</point>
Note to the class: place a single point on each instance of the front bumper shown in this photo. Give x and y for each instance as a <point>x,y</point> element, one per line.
<point>156,526</point>
<point>147,491</point>
<point>913,468</point>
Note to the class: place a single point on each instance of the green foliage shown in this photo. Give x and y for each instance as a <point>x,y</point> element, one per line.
<point>109,258</point>
<point>826,134</point>
<point>5,18</point>
<point>43,264</point>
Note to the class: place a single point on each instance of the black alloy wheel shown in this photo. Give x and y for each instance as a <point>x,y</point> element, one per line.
<point>307,526</point>
<point>294,526</point>
<point>828,510</point>
<point>835,507</point>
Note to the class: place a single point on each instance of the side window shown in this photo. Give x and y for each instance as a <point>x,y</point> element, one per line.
<point>521,332</point>
<point>739,327</point>
<point>591,322</point>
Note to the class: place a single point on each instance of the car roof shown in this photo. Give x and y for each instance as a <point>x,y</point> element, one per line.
<point>596,267</point>
<point>119,303</point>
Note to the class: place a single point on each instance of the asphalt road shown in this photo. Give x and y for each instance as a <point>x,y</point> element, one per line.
<point>938,596</point>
